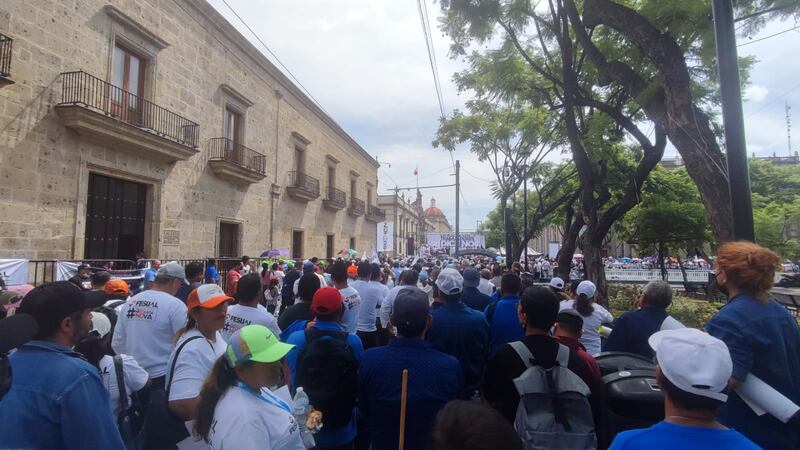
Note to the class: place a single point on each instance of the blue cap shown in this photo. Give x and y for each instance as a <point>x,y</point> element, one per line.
<point>308,266</point>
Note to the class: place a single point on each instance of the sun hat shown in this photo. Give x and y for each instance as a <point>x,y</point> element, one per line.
<point>557,282</point>
<point>449,281</point>
<point>694,361</point>
<point>326,301</point>
<point>207,296</point>
<point>116,287</point>
<point>101,324</point>
<point>255,343</point>
<point>587,288</point>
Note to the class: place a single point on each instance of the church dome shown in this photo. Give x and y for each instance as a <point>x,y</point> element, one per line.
<point>433,211</point>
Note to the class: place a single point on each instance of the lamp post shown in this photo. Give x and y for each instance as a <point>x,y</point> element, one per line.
<point>525,214</point>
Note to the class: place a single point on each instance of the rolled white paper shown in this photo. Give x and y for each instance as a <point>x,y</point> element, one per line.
<point>762,398</point>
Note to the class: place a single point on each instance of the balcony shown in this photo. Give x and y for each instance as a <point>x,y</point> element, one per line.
<point>335,199</point>
<point>375,214</point>
<point>6,47</point>
<point>112,116</point>
<point>236,162</point>
<point>356,207</point>
<point>302,186</point>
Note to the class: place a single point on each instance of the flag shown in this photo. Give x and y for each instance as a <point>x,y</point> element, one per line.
<point>416,170</point>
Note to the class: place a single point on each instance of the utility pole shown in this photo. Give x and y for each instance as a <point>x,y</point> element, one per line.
<point>525,215</point>
<point>458,188</point>
<point>733,120</point>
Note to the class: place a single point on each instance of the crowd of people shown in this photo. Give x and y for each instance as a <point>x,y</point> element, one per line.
<point>412,354</point>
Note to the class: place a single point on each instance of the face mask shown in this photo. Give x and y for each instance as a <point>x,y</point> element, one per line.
<point>720,287</point>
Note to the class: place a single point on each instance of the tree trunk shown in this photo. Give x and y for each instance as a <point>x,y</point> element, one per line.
<point>569,241</point>
<point>683,274</point>
<point>507,226</point>
<point>661,265</point>
<point>593,264</point>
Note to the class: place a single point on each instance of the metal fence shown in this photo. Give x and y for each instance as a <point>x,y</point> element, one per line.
<point>228,150</point>
<point>81,88</point>
<point>304,182</point>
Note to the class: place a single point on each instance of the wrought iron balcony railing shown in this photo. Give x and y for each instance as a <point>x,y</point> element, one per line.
<point>375,212</point>
<point>356,206</point>
<point>335,198</point>
<point>223,149</point>
<point>303,185</point>
<point>82,89</point>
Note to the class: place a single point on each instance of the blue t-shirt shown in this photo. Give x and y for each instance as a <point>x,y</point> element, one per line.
<point>668,436</point>
<point>503,322</point>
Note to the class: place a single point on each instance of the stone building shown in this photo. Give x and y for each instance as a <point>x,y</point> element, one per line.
<point>435,215</point>
<point>410,222</point>
<point>137,125</point>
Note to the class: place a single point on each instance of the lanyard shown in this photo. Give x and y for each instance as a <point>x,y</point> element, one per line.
<point>265,396</point>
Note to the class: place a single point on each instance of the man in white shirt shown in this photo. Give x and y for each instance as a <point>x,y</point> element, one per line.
<point>248,311</point>
<point>372,294</point>
<point>148,322</point>
<point>484,285</point>
<point>408,279</point>
<point>350,296</point>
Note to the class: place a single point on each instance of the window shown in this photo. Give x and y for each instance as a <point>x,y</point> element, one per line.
<point>329,250</point>
<point>127,74</point>
<point>331,176</point>
<point>233,119</point>
<point>299,159</point>
<point>229,239</point>
<point>369,197</point>
<point>297,244</point>
<point>353,243</point>
<point>353,189</point>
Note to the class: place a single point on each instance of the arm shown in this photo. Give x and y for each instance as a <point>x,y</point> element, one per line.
<point>386,310</point>
<point>191,370</point>
<point>135,377</point>
<point>738,344</point>
<point>178,317</point>
<point>83,423</point>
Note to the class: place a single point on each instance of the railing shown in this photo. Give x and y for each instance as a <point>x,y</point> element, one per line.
<point>6,45</point>
<point>81,88</point>
<point>644,275</point>
<point>304,182</point>
<point>227,150</point>
<point>376,212</point>
<point>337,196</point>
<point>357,205</point>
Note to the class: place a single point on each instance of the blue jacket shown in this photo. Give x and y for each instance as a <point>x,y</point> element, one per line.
<point>633,329</point>
<point>764,340</point>
<point>434,378</point>
<point>327,437</point>
<point>461,331</point>
<point>57,401</point>
<point>212,277</point>
<point>504,322</point>
<point>475,299</point>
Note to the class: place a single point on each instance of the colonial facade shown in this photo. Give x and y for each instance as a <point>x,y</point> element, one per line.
<point>130,126</point>
<point>410,222</point>
<point>435,215</point>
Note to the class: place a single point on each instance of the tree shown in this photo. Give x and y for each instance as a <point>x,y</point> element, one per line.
<point>776,206</point>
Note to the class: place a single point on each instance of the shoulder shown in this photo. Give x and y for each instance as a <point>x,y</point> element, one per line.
<point>634,439</point>
<point>298,338</point>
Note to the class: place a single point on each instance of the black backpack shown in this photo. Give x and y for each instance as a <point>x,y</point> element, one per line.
<point>327,371</point>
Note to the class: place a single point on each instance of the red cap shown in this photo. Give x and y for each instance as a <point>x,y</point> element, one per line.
<point>326,301</point>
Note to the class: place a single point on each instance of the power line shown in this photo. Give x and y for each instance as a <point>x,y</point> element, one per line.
<point>477,178</point>
<point>423,17</point>
<point>770,36</point>
<point>289,72</point>
<point>785,93</point>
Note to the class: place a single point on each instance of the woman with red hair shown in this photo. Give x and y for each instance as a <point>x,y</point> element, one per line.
<point>763,339</point>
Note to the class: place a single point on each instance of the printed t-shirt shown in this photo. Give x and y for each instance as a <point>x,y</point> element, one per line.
<point>352,303</point>
<point>240,316</point>
<point>133,375</point>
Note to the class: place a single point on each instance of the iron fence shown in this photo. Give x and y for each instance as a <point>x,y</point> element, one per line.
<point>82,89</point>
<point>6,47</point>
<point>336,196</point>
<point>304,182</point>
<point>227,150</point>
<point>356,205</point>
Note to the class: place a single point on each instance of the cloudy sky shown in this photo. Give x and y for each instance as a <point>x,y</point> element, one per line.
<point>365,62</point>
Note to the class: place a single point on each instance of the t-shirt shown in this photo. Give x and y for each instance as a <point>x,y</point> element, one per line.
<point>387,305</point>
<point>240,316</point>
<point>298,311</point>
<point>133,375</point>
<point>232,281</point>
<point>591,336</point>
<point>485,286</point>
<point>669,436</point>
<point>146,327</point>
<point>193,364</point>
<point>352,303</point>
<point>244,421</point>
<point>372,294</point>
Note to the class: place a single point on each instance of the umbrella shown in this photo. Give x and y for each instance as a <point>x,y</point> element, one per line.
<point>270,254</point>
<point>577,256</point>
<point>626,260</point>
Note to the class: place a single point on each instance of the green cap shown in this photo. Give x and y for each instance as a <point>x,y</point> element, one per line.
<point>255,343</point>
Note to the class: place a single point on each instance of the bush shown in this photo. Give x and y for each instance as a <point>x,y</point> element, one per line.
<point>690,312</point>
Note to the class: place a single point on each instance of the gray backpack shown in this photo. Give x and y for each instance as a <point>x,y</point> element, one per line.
<point>554,410</point>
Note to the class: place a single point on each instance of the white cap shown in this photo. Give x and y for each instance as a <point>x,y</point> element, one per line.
<point>557,283</point>
<point>694,361</point>
<point>586,287</point>
<point>100,323</point>
<point>450,281</point>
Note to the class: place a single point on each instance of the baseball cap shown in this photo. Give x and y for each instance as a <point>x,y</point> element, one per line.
<point>255,343</point>
<point>410,307</point>
<point>308,266</point>
<point>116,287</point>
<point>206,296</point>
<point>557,282</point>
<point>171,270</point>
<point>471,277</point>
<point>586,287</point>
<point>50,303</point>
<point>694,361</point>
<point>82,266</point>
<point>100,323</point>
<point>449,281</point>
<point>570,316</point>
<point>326,301</point>
<point>352,271</point>
<point>423,276</point>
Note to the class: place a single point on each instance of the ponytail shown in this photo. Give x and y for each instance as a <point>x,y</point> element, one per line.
<point>583,305</point>
<point>190,325</point>
<point>221,378</point>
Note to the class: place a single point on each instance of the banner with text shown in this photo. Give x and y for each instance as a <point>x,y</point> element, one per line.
<point>14,271</point>
<point>386,236</point>
<point>446,242</point>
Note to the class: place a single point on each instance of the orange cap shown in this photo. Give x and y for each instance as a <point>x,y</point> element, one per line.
<point>206,296</point>
<point>352,270</point>
<point>113,287</point>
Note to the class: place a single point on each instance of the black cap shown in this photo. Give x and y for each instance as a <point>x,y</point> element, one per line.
<point>410,307</point>
<point>472,278</point>
<point>50,303</point>
<point>15,331</point>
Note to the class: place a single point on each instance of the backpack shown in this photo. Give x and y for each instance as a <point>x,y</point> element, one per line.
<point>554,410</point>
<point>328,372</point>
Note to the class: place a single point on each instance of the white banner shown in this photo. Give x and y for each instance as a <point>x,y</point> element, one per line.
<point>447,241</point>
<point>14,271</point>
<point>65,270</point>
<point>552,249</point>
<point>386,236</point>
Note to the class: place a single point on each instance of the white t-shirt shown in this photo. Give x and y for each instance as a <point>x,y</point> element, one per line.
<point>244,421</point>
<point>485,287</point>
<point>352,302</point>
<point>240,316</point>
<point>591,337</point>
<point>372,294</point>
<point>387,306</point>
<point>146,328</point>
<point>133,375</point>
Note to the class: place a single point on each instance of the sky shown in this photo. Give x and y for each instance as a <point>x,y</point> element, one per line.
<point>366,64</point>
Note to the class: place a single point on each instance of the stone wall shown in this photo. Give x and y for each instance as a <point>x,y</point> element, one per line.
<point>44,167</point>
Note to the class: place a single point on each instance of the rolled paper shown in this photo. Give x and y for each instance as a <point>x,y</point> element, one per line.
<point>763,398</point>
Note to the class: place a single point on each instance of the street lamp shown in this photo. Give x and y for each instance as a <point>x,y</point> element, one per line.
<point>525,214</point>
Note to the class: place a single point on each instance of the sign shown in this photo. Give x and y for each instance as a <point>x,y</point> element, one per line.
<point>552,249</point>
<point>386,236</point>
<point>447,241</point>
<point>14,271</point>
<point>172,237</point>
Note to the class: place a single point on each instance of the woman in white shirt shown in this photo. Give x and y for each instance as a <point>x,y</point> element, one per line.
<point>593,315</point>
<point>200,344</point>
<point>237,409</point>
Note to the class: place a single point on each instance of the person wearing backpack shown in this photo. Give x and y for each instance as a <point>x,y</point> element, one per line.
<point>325,363</point>
<point>578,408</point>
